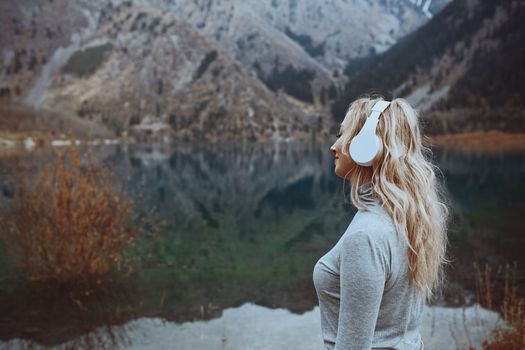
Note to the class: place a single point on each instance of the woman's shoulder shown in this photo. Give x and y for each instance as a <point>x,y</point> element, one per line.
<point>374,220</point>
<point>374,227</point>
<point>368,238</point>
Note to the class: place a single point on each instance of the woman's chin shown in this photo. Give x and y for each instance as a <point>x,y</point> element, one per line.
<point>345,174</point>
<point>338,172</point>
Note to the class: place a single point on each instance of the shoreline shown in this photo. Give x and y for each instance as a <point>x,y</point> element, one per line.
<point>265,328</point>
<point>489,142</point>
<point>484,142</point>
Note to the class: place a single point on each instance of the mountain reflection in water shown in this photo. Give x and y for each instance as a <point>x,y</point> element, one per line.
<point>246,223</point>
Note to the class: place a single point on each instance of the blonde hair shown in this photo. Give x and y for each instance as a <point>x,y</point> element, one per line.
<point>403,179</point>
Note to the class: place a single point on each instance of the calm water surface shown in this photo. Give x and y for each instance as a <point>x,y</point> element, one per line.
<point>246,223</point>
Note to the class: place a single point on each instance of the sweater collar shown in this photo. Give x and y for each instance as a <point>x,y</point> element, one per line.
<point>367,194</point>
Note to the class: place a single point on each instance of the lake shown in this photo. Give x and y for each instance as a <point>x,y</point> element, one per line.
<point>246,224</point>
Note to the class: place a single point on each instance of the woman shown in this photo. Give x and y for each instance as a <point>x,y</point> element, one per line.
<point>372,285</point>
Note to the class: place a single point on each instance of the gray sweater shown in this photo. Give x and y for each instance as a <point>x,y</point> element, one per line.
<point>365,298</point>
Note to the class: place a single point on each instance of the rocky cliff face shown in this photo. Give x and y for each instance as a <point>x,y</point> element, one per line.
<point>190,69</point>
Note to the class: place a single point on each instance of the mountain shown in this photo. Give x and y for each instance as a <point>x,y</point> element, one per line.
<point>463,69</point>
<point>302,46</point>
<point>157,73</point>
<point>192,69</point>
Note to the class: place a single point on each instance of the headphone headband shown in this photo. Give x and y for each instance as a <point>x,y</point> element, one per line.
<point>372,120</point>
<point>380,106</point>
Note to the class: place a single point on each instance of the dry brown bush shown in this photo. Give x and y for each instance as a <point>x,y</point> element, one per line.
<point>512,335</point>
<point>66,222</point>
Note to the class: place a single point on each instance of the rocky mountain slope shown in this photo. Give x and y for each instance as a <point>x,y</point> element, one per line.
<point>157,74</point>
<point>463,69</point>
<point>307,42</point>
<point>213,69</point>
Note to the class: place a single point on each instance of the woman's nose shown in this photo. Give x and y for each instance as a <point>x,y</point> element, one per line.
<point>332,149</point>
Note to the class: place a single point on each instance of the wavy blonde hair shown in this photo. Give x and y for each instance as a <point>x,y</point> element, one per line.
<point>403,179</point>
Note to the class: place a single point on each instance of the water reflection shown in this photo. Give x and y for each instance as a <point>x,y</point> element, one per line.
<point>52,314</point>
<point>246,223</point>
<point>264,328</point>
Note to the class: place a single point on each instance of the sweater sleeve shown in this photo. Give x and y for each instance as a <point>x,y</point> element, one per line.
<point>363,271</point>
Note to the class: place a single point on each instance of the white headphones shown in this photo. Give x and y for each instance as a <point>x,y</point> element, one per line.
<point>366,144</point>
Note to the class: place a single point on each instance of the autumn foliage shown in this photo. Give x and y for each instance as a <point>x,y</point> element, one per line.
<point>66,222</point>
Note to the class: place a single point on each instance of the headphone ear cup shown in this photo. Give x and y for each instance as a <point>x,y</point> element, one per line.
<point>364,148</point>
